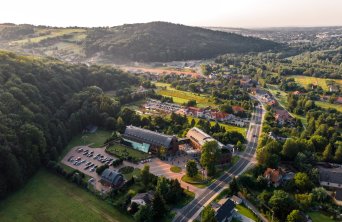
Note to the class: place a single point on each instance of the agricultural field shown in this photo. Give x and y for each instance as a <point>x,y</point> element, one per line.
<point>306,80</point>
<point>182,97</point>
<point>47,197</point>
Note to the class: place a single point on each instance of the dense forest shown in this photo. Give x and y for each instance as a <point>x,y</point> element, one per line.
<point>161,41</point>
<point>145,42</point>
<point>43,103</point>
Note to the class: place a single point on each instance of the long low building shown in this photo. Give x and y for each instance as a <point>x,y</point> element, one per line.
<point>198,138</point>
<point>149,141</point>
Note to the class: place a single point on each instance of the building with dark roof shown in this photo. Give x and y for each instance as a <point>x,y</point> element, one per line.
<point>112,178</point>
<point>330,177</point>
<point>149,141</point>
<point>143,198</point>
<point>225,212</point>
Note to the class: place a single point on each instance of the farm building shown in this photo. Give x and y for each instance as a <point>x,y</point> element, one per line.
<point>149,141</point>
<point>111,178</point>
<point>198,138</point>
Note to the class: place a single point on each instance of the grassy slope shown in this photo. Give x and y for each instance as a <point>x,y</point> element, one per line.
<point>181,97</point>
<point>54,33</point>
<point>50,198</point>
<point>95,139</point>
<point>327,105</point>
<point>306,80</point>
<point>319,217</point>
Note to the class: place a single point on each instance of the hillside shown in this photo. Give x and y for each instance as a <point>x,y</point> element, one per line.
<point>146,42</point>
<point>43,103</point>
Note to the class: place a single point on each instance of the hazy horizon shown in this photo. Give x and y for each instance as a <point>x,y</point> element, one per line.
<point>219,13</point>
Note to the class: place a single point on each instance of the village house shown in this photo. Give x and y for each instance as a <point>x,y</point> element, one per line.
<point>330,177</point>
<point>237,109</point>
<point>274,176</point>
<point>225,212</point>
<point>143,199</point>
<point>111,178</point>
<point>282,116</point>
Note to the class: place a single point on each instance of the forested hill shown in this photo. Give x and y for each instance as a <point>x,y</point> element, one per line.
<point>43,103</point>
<point>161,41</point>
<point>145,42</point>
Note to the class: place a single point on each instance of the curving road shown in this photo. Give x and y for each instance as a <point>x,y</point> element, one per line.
<point>193,209</point>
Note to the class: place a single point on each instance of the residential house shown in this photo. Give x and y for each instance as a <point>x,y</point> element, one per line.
<point>330,177</point>
<point>236,199</point>
<point>111,178</point>
<point>237,109</point>
<point>194,111</point>
<point>273,176</point>
<point>282,116</point>
<point>143,199</point>
<point>225,212</point>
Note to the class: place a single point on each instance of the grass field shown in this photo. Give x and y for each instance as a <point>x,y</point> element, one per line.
<point>195,181</point>
<point>96,139</point>
<point>241,130</point>
<point>327,105</point>
<point>123,152</point>
<point>53,33</point>
<point>246,212</point>
<point>182,97</point>
<point>319,217</point>
<point>49,198</point>
<point>306,80</point>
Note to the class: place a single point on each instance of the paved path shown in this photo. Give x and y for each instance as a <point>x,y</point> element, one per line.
<point>193,209</point>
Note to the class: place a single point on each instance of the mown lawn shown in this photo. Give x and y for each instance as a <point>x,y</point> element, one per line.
<point>195,181</point>
<point>246,212</point>
<point>124,152</point>
<point>95,140</point>
<point>49,198</point>
<point>241,130</point>
<point>306,80</point>
<point>319,217</point>
<point>327,105</point>
<point>182,97</point>
<point>175,169</point>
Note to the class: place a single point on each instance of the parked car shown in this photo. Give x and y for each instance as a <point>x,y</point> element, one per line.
<point>80,149</point>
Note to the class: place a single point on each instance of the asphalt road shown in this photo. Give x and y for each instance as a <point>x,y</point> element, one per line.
<point>194,207</point>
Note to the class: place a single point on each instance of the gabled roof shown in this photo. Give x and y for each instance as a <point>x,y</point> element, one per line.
<point>225,211</point>
<point>331,175</point>
<point>274,175</point>
<point>112,177</point>
<point>146,197</point>
<point>148,136</point>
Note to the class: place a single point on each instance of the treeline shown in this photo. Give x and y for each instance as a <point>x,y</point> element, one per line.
<point>43,103</point>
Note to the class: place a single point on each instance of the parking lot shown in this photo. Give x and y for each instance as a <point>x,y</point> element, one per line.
<point>87,162</point>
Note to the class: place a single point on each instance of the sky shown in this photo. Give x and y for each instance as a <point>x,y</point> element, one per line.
<point>224,13</point>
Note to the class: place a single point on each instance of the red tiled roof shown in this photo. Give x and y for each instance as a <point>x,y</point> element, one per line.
<point>274,175</point>
<point>237,109</point>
